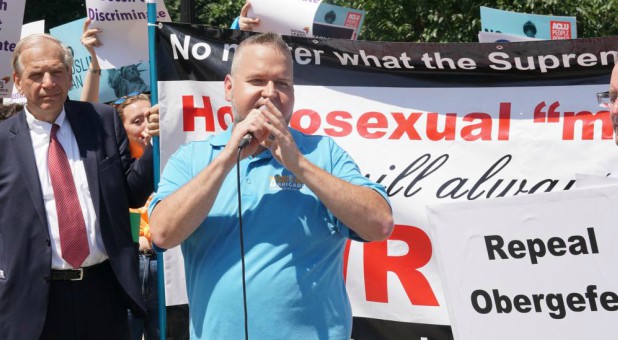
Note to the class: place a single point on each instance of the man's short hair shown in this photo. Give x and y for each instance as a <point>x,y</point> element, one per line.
<point>271,39</point>
<point>34,40</point>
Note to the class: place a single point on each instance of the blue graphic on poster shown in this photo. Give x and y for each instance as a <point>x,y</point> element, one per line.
<point>114,83</point>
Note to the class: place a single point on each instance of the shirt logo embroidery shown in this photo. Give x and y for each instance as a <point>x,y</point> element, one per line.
<point>285,182</point>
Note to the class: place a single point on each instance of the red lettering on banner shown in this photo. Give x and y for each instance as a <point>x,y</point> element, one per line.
<point>587,120</point>
<point>372,120</point>
<point>375,125</point>
<point>551,116</point>
<point>377,264</point>
<point>221,113</point>
<point>504,121</point>
<point>314,121</point>
<point>345,128</point>
<point>189,112</point>
<point>370,125</point>
<point>406,125</point>
<point>483,126</point>
<point>449,126</point>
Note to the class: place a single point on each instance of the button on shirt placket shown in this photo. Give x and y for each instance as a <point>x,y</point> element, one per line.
<point>247,171</point>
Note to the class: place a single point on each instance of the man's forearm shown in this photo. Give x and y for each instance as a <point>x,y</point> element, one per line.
<point>177,216</point>
<point>360,208</point>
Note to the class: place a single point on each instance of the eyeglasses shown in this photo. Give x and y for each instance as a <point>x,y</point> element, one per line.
<point>123,98</point>
<point>606,100</point>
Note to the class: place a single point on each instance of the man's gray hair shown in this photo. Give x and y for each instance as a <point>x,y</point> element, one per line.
<point>34,40</point>
<point>271,39</point>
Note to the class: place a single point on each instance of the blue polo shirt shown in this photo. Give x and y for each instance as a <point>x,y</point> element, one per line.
<point>293,246</point>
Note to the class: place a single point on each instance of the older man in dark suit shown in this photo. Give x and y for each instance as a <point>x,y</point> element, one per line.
<point>68,265</point>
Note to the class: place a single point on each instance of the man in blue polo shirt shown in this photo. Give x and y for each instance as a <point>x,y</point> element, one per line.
<point>302,198</point>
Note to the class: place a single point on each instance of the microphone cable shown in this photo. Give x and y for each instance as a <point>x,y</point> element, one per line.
<point>242,244</point>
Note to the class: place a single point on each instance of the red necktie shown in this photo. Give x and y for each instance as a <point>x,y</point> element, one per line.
<point>73,240</point>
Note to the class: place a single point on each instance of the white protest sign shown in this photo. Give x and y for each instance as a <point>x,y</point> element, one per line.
<point>306,18</point>
<point>530,267</point>
<point>11,19</point>
<point>290,17</point>
<point>124,28</point>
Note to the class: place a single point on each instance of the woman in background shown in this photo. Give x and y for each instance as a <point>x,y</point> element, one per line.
<point>133,109</point>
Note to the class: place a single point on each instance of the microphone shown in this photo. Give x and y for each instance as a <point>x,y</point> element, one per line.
<point>245,140</point>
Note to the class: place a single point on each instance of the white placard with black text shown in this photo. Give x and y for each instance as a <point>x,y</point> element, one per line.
<point>530,267</point>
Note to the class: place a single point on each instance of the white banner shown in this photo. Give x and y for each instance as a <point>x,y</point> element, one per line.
<point>432,127</point>
<point>531,267</point>
<point>509,161</point>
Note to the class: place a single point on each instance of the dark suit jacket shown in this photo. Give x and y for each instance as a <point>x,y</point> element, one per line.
<point>116,183</point>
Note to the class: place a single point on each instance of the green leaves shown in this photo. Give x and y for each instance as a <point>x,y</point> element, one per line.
<point>386,20</point>
<point>459,21</point>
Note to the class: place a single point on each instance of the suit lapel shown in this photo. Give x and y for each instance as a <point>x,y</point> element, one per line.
<point>86,134</point>
<point>22,144</point>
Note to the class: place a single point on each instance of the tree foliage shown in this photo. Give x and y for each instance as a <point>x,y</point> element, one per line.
<point>387,20</point>
<point>55,12</point>
<point>459,21</point>
<point>214,13</point>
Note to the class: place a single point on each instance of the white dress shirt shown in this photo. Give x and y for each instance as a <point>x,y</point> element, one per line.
<point>40,133</point>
